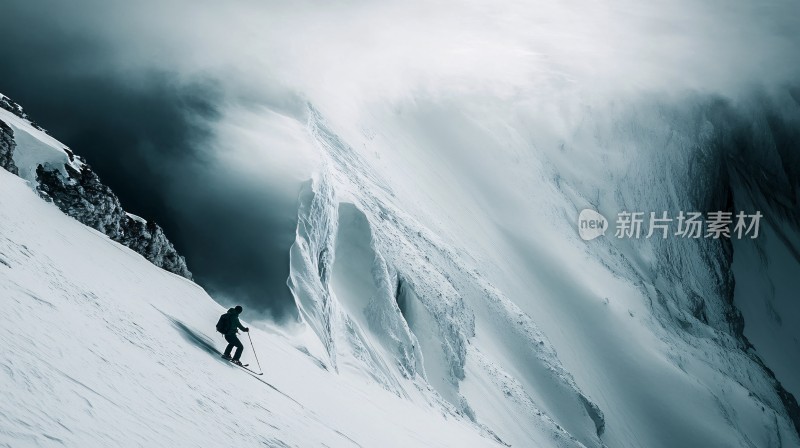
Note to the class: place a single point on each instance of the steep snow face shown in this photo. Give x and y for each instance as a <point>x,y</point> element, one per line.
<point>392,300</point>
<point>438,246</point>
<point>105,349</point>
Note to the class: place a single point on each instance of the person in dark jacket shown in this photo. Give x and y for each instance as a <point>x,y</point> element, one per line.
<point>233,326</point>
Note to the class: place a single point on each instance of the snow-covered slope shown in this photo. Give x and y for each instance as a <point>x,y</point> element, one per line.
<point>439,244</point>
<point>101,348</point>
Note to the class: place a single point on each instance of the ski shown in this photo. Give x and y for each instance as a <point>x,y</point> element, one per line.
<point>244,366</point>
<point>250,370</point>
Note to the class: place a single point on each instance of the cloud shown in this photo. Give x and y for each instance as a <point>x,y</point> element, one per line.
<point>175,146</point>
<point>194,111</point>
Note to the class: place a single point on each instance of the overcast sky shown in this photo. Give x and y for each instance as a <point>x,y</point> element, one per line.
<point>218,173</point>
<point>194,111</point>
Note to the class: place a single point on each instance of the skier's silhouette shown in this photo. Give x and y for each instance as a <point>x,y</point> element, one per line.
<point>229,328</point>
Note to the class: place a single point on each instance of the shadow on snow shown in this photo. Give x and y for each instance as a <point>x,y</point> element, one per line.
<point>205,344</point>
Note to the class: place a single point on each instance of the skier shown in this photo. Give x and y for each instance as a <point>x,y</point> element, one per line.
<point>229,325</point>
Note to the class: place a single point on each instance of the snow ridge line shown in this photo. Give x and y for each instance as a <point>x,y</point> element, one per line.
<point>61,177</point>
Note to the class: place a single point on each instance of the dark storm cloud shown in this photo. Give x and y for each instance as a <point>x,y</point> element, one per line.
<point>147,134</point>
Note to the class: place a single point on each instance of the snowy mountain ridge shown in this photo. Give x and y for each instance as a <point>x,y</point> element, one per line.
<point>64,178</point>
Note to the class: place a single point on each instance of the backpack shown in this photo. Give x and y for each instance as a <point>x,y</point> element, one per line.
<point>224,323</point>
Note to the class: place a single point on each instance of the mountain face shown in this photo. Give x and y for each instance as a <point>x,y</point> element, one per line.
<point>69,182</point>
<point>445,297</point>
<point>463,271</point>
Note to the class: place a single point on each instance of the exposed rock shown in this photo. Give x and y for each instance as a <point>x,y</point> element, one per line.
<point>7,145</point>
<point>81,195</point>
<point>78,192</point>
<point>9,105</point>
<point>148,239</point>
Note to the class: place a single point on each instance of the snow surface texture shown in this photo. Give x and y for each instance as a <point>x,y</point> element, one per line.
<point>65,179</point>
<point>406,267</point>
<point>105,349</point>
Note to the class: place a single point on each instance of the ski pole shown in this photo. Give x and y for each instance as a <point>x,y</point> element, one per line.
<point>254,352</point>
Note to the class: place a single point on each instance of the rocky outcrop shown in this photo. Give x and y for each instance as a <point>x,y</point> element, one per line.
<point>148,239</point>
<point>80,194</point>
<point>7,145</point>
<point>9,105</point>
